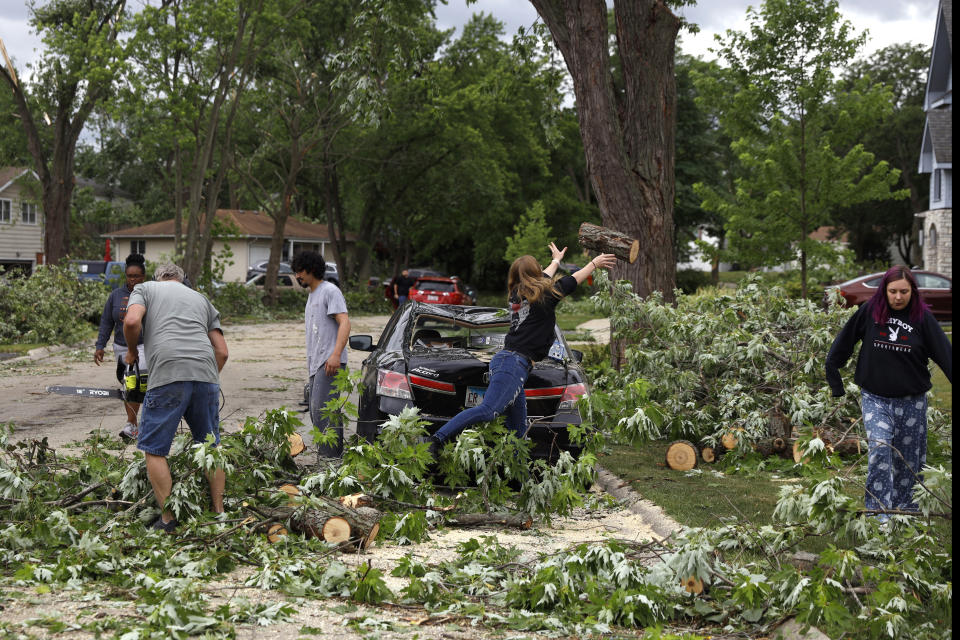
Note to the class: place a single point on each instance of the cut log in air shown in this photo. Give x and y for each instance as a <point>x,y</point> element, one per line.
<point>682,455</point>
<point>606,240</point>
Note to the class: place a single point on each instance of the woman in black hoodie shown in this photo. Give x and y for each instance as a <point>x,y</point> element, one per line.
<point>899,335</point>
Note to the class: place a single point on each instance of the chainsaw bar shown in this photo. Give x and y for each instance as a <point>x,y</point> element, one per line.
<point>86,392</point>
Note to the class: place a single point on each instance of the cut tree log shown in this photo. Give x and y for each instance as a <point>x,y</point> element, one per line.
<point>291,491</point>
<point>770,446</point>
<point>276,532</point>
<point>296,444</point>
<point>682,455</point>
<point>355,500</point>
<point>503,519</point>
<point>710,454</point>
<point>850,447</point>
<point>330,521</point>
<point>692,585</point>
<point>607,240</point>
<point>730,439</point>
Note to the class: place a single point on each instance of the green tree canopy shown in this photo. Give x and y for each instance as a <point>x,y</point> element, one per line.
<point>795,131</point>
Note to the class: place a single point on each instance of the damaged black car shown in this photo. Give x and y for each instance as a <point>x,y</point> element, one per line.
<point>436,357</point>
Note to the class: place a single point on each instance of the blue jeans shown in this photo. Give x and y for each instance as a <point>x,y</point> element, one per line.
<point>322,391</point>
<point>401,300</point>
<point>504,396</point>
<point>163,407</point>
<point>894,423</point>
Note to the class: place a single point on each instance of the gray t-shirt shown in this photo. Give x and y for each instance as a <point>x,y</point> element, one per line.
<point>323,303</point>
<point>175,329</point>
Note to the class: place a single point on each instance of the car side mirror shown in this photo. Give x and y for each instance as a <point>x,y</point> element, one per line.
<point>576,355</point>
<point>361,343</point>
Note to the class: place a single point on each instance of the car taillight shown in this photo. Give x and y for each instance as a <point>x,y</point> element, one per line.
<point>432,385</point>
<point>393,384</point>
<point>571,394</point>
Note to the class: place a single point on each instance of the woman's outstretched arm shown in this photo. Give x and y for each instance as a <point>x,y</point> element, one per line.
<point>602,261</point>
<point>551,269</point>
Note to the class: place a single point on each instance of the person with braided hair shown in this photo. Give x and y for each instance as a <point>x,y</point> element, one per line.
<point>111,321</point>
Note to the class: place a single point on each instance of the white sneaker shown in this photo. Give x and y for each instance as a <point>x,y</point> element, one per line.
<point>129,432</point>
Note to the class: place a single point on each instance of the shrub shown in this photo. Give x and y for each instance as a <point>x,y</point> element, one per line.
<point>725,360</point>
<point>360,300</point>
<point>51,306</point>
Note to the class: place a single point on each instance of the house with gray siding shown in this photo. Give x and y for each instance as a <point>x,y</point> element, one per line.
<point>21,220</point>
<point>936,151</point>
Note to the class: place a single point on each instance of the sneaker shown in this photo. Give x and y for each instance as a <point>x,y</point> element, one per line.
<point>129,432</point>
<point>436,446</point>
<point>160,525</point>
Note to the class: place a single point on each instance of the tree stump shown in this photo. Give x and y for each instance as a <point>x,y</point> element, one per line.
<point>607,240</point>
<point>682,455</point>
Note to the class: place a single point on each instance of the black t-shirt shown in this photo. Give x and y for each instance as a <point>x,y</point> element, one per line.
<point>893,357</point>
<point>403,285</point>
<point>532,325</point>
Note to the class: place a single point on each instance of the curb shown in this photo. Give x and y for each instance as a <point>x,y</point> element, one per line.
<point>662,524</point>
<point>42,352</point>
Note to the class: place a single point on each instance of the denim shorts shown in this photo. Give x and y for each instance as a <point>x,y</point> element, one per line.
<point>163,407</point>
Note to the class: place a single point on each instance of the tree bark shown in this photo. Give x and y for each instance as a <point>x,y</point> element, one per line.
<point>628,136</point>
<point>516,520</point>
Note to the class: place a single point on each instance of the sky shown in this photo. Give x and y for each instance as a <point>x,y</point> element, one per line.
<point>888,21</point>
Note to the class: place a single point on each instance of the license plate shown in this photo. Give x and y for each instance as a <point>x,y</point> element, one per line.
<point>474,396</point>
<point>433,298</point>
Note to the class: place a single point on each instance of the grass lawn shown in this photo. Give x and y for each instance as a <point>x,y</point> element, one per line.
<point>19,349</point>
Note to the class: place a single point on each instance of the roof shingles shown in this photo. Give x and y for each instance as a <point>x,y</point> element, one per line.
<point>249,223</point>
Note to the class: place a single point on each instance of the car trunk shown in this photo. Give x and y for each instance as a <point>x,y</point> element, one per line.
<point>440,385</point>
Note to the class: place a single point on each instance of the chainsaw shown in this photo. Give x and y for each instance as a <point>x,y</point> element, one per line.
<point>133,390</point>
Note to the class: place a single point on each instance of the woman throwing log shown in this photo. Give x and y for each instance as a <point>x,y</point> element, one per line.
<point>899,334</point>
<point>533,297</point>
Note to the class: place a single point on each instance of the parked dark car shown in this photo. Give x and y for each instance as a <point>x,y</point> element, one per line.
<point>440,291</point>
<point>330,274</point>
<point>110,273</point>
<point>936,289</point>
<point>436,357</point>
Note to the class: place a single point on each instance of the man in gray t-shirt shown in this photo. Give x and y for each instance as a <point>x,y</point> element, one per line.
<point>328,329</point>
<point>185,351</point>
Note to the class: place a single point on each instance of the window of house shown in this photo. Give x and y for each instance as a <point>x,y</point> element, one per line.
<point>138,246</point>
<point>933,237</point>
<point>936,184</point>
<point>5,207</point>
<point>28,212</point>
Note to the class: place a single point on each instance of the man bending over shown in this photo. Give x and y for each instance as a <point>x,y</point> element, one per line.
<point>185,351</point>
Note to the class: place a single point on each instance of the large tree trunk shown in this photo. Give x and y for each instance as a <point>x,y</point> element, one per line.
<point>628,136</point>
